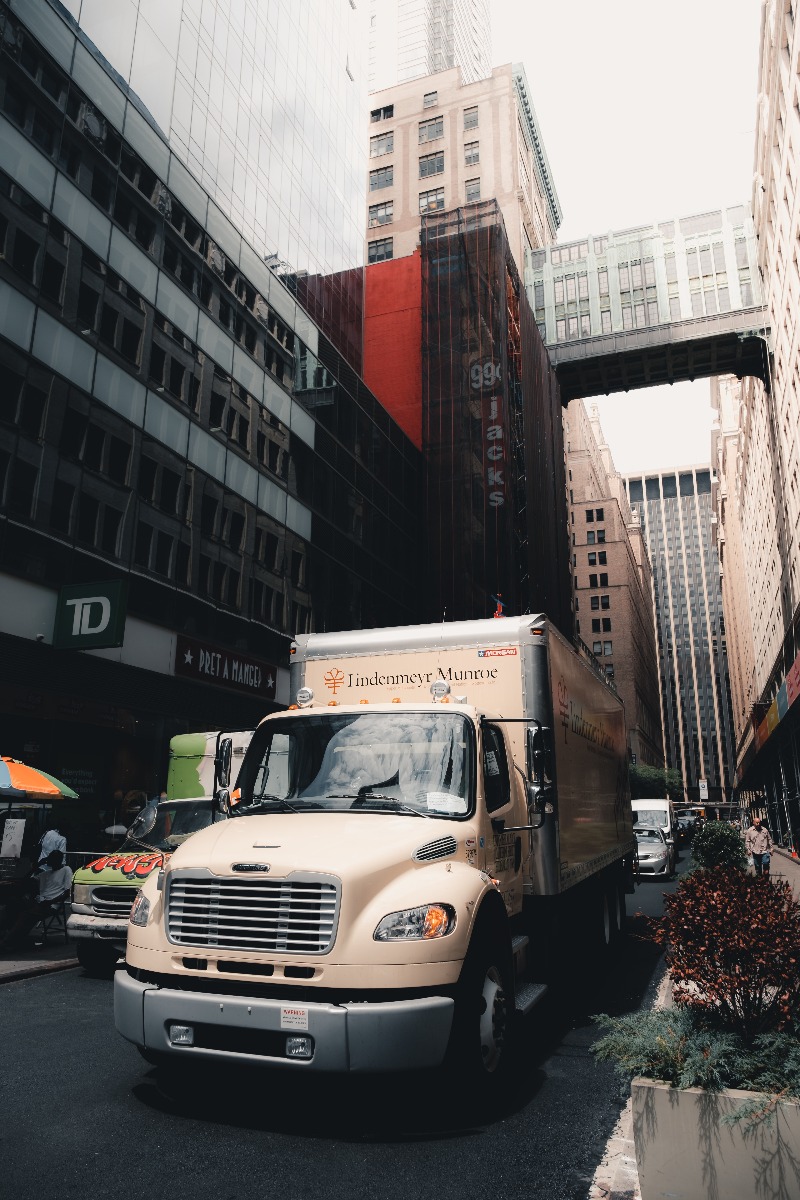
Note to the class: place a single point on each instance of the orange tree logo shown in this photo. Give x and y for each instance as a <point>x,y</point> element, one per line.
<point>334,679</point>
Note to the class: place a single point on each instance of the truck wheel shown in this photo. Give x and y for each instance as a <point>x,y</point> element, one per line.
<point>97,958</point>
<point>483,1024</point>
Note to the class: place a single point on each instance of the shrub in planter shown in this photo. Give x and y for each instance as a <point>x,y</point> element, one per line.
<point>718,844</point>
<point>733,949</point>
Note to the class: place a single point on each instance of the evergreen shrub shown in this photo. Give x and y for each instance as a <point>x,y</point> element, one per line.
<point>718,844</point>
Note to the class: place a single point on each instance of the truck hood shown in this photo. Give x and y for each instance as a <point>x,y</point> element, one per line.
<point>120,868</point>
<point>343,844</point>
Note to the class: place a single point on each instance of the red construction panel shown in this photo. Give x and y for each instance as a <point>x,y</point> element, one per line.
<point>393,340</point>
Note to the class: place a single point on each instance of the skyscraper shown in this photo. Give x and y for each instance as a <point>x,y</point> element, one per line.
<point>265,103</point>
<point>411,38</point>
<point>675,510</point>
<point>613,580</point>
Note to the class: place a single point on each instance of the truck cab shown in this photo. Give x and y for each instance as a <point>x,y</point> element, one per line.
<point>104,889</point>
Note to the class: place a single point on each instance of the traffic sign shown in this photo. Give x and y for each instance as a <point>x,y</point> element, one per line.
<point>703,788</point>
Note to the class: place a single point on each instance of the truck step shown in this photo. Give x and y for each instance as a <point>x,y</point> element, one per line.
<point>528,995</point>
<point>518,943</point>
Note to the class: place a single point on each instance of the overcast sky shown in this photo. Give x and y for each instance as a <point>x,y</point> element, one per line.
<point>647,112</point>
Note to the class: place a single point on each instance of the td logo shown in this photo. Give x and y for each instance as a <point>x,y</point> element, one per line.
<point>90,615</point>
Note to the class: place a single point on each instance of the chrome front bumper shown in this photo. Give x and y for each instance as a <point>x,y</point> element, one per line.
<point>401,1035</point>
<point>106,929</point>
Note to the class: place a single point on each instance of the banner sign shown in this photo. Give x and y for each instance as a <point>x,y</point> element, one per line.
<point>206,663</point>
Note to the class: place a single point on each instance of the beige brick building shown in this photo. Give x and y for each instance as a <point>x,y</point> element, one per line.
<point>612,578</point>
<point>437,143</point>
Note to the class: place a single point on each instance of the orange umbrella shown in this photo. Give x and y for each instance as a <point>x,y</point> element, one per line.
<point>18,780</point>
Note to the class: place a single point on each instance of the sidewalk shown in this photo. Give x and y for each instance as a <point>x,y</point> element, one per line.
<point>55,955</point>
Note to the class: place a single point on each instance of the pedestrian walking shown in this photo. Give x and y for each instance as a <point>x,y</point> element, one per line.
<point>758,843</point>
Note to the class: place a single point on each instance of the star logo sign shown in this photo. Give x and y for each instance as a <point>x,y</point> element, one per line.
<point>187,658</point>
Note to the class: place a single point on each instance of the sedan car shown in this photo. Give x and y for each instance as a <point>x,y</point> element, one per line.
<point>656,856</point>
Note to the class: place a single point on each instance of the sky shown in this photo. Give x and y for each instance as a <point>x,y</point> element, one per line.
<point>647,112</point>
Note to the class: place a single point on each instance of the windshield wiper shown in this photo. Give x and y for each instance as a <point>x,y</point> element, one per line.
<point>267,802</point>
<point>392,804</point>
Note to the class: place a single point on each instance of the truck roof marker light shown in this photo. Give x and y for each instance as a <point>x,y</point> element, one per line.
<point>537,632</point>
<point>363,702</point>
<point>333,704</point>
<point>305,695</point>
<point>396,700</point>
<point>293,707</point>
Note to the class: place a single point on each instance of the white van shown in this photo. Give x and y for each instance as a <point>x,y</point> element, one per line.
<point>657,812</point>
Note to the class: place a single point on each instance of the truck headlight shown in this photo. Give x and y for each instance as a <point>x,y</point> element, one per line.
<point>81,893</point>
<point>427,921</point>
<point>140,910</point>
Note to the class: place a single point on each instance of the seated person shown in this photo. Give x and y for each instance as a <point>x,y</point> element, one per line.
<point>54,883</point>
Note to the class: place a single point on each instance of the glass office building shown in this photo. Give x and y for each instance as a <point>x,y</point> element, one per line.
<point>675,510</point>
<point>171,422</point>
<point>266,104</point>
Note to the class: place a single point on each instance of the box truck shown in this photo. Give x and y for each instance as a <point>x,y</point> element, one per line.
<point>402,843</point>
<point>104,890</point>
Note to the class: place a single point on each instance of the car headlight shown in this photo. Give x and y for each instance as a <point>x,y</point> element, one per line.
<point>140,910</point>
<point>81,893</point>
<point>427,921</point>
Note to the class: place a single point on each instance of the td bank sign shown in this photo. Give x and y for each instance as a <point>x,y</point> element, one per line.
<point>90,615</point>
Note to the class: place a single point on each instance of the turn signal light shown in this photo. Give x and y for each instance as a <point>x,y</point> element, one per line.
<point>437,921</point>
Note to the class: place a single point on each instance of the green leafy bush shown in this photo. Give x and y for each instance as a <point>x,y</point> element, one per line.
<point>718,844</point>
<point>654,783</point>
<point>670,1044</point>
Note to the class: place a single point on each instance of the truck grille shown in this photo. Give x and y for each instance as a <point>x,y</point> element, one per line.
<point>113,901</point>
<point>289,916</point>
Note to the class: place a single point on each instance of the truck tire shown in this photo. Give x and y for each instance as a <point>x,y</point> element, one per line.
<point>97,958</point>
<point>484,1019</point>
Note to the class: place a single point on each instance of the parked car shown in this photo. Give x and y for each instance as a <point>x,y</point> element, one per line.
<point>656,856</point>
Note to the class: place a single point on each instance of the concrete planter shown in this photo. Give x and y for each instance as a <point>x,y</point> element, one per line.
<point>684,1152</point>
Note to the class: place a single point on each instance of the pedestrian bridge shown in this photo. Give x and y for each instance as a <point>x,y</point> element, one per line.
<point>665,303</point>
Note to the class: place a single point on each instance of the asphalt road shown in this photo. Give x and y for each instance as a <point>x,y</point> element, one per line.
<point>82,1114</point>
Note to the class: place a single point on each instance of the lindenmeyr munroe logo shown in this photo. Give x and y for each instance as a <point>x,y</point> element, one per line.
<point>240,867</point>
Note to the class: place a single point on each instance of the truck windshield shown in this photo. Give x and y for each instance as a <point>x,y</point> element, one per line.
<point>175,822</point>
<point>651,816</point>
<point>379,762</point>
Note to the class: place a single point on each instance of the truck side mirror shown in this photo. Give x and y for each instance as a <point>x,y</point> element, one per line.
<point>222,763</point>
<point>539,757</point>
<point>223,802</point>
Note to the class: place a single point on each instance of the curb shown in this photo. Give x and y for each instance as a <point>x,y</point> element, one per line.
<point>65,964</point>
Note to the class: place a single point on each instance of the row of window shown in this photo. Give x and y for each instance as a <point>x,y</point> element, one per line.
<point>430,201</point>
<point>429,164</point>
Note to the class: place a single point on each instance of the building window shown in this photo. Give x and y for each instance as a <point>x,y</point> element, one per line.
<point>592,559</point>
<point>589,515</point>
<point>471,118</point>
<point>607,649</point>
<point>603,579</point>
<point>602,278</point>
<point>430,99</point>
<point>472,154</point>
<point>590,538</point>
<point>431,201</point>
<point>558,291</point>
<point>583,287</point>
<point>382,114</point>
<point>561,336</point>
<point>382,178</point>
<point>609,667</point>
<point>599,513</point>
<point>429,131</point>
<point>380,251</point>
<point>592,581</point>
<point>596,625</point>
<point>605,602</point>
<point>605,320</point>
<point>382,143</point>
<point>601,558</point>
<point>601,534</point>
<point>472,190</point>
<point>431,164</point>
<point>597,648</point>
<point>606,624</point>
<point>381,214</point>
<point>594,603</point>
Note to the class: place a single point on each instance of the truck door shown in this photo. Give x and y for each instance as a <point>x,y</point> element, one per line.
<point>504,851</point>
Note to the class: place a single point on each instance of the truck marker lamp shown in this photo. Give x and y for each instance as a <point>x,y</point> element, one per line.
<point>396,700</point>
<point>140,910</point>
<point>181,1035</point>
<point>417,924</point>
<point>304,696</point>
<point>333,704</point>
<point>363,702</point>
<point>81,893</point>
<point>293,707</point>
